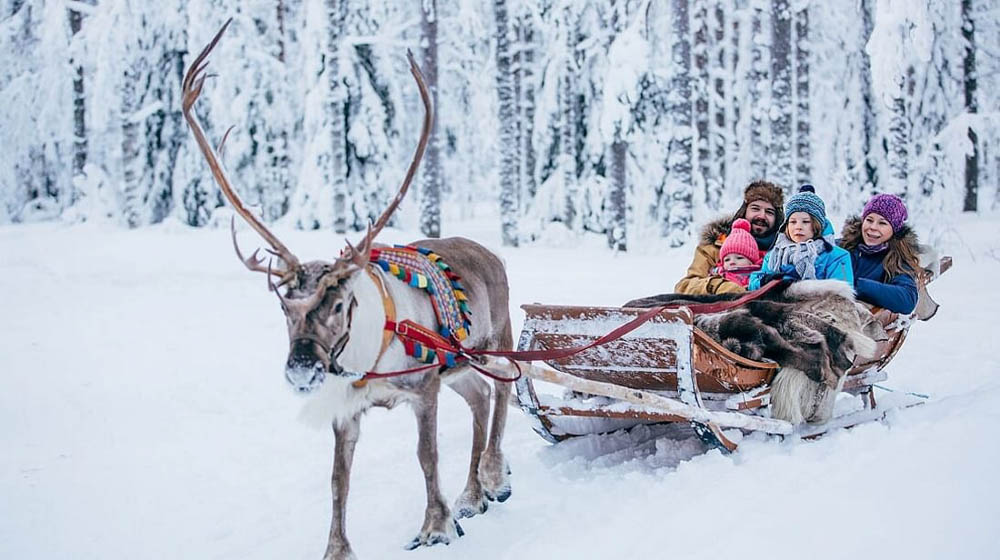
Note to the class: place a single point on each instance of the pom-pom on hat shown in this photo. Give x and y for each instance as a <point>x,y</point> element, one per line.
<point>741,242</point>
<point>890,207</point>
<point>806,201</point>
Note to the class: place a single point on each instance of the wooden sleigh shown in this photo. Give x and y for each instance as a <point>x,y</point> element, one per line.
<point>667,370</point>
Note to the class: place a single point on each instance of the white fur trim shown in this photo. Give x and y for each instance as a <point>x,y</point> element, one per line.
<point>864,346</point>
<point>812,288</point>
<point>794,396</point>
<point>788,391</point>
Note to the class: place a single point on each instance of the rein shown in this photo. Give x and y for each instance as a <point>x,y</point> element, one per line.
<point>560,353</point>
<point>409,333</point>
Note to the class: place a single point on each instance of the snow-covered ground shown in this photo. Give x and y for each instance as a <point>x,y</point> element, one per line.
<point>144,414</point>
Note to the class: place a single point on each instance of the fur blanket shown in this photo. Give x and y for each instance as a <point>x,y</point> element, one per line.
<point>813,328</point>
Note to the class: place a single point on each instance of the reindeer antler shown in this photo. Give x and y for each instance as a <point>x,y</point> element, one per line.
<point>365,246</point>
<point>193,82</point>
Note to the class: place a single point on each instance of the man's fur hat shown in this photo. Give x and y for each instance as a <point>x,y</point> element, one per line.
<point>766,191</point>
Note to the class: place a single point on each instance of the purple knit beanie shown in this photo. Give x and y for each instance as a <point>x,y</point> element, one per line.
<point>890,207</point>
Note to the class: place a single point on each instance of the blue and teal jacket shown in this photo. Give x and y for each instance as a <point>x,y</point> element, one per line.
<point>832,264</point>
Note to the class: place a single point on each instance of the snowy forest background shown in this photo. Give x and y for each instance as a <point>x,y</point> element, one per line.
<point>633,119</point>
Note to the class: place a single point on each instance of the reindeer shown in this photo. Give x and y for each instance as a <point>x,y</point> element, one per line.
<point>336,313</point>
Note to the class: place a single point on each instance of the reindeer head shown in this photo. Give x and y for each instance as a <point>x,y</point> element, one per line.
<point>319,299</point>
<point>318,308</point>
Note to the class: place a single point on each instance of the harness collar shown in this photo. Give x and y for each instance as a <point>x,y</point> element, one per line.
<point>390,316</point>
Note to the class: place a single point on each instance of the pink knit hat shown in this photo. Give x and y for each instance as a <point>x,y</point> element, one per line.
<point>740,241</point>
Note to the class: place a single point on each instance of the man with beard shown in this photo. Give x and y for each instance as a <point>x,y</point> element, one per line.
<point>762,204</point>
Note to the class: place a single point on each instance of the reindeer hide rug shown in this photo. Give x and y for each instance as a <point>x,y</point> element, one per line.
<point>814,326</point>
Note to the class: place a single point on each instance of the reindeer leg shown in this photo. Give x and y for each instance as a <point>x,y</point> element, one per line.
<point>476,393</point>
<point>495,473</point>
<point>439,527</point>
<point>346,434</point>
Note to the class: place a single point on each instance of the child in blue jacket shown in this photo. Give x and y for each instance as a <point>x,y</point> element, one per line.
<point>805,248</point>
<point>884,254</point>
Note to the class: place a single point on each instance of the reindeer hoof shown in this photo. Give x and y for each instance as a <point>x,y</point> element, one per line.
<point>470,507</point>
<point>431,538</point>
<point>500,495</point>
<point>496,482</point>
<point>471,502</point>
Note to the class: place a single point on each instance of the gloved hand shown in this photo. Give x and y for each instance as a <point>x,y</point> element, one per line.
<point>789,273</point>
<point>786,273</point>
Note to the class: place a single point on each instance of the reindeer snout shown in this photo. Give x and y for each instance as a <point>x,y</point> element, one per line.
<point>304,369</point>
<point>304,355</point>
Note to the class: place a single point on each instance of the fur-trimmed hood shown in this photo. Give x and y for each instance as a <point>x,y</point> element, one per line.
<point>851,235</point>
<point>715,231</point>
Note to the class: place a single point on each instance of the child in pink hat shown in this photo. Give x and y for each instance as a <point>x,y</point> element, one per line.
<point>739,255</point>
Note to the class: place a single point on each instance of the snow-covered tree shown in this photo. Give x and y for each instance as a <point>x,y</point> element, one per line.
<point>76,19</point>
<point>526,88</point>
<point>803,140</point>
<point>507,105</point>
<point>970,85</point>
<point>759,84</point>
<point>641,120</point>
<point>430,171</point>
<point>676,200</point>
<point>570,117</point>
<point>779,167</point>
<point>37,129</point>
<point>720,132</point>
<point>705,180</point>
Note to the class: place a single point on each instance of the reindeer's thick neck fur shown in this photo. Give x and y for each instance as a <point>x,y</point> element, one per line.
<point>337,399</point>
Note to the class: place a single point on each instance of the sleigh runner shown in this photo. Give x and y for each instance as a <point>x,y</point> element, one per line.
<point>668,370</point>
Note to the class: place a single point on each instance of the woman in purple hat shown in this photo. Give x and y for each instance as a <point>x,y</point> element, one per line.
<point>884,254</point>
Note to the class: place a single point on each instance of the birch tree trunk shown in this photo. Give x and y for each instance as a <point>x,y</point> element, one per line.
<point>79,101</point>
<point>131,144</point>
<point>758,84</point>
<point>898,156</point>
<point>567,102</point>
<point>706,182</point>
<point>719,132</point>
<point>430,169</point>
<point>335,169</point>
<point>507,105</point>
<point>869,124</point>
<point>617,225</point>
<point>676,201</point>
<point>803,145</point>
<point>970,84</point>
<point>615,216</point>
<point>736,92</point>
<point>526,105</point>
<point>780,147</point>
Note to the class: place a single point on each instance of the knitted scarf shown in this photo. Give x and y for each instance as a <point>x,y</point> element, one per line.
<point>800,255</point>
